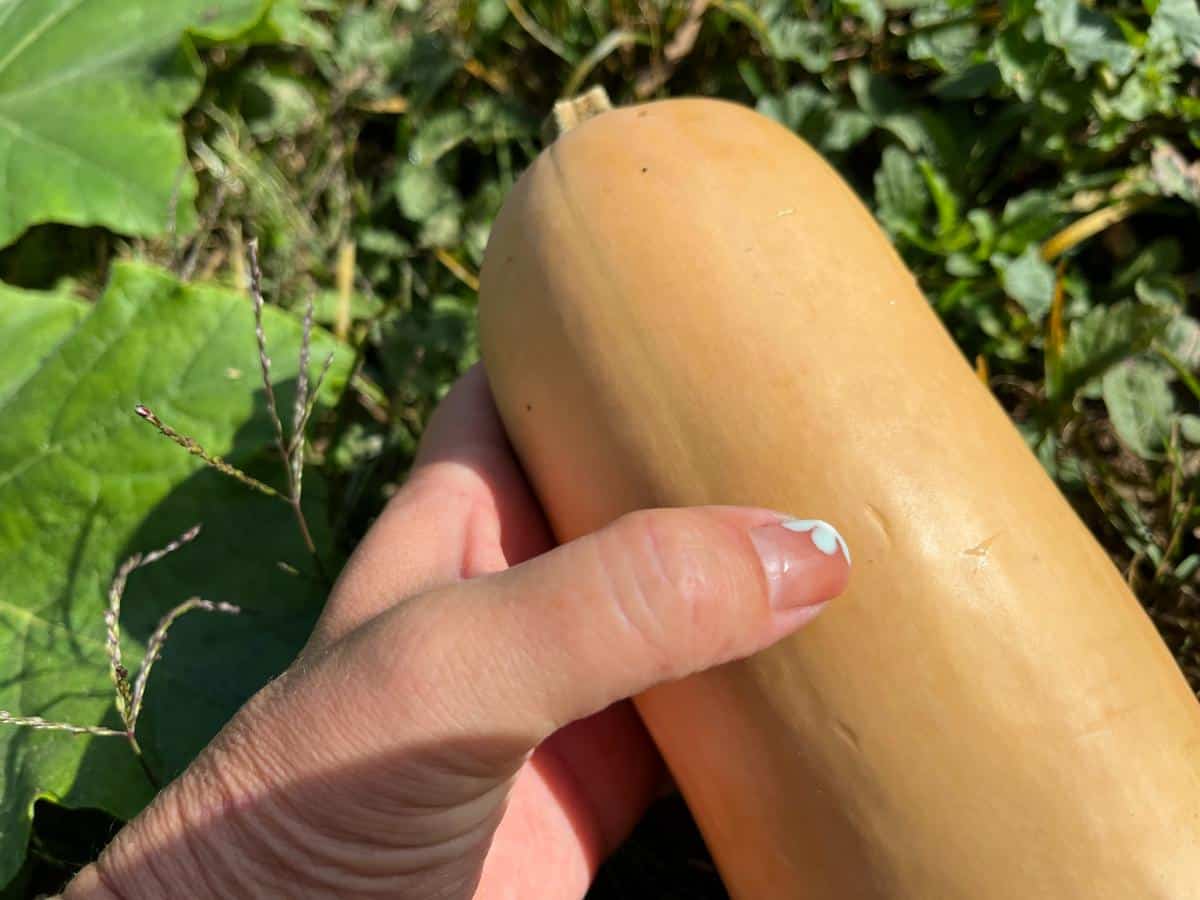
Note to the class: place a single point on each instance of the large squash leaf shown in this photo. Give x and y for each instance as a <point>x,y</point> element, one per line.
<point>84,483</point>
<point>90,96</point>
<point>32,324</point>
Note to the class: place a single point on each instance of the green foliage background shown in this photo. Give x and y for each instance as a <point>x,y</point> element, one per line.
<point>1034,161</point>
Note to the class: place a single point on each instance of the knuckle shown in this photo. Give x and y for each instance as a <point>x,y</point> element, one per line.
<point>667,584</point>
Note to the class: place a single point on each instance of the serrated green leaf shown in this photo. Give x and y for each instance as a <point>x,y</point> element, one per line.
<point>84,483</point>
<point>1099,340</point>
<point>90,96</point>
<point>1085,36</point>
<point>1029,280</point>
<point>1140,405</point>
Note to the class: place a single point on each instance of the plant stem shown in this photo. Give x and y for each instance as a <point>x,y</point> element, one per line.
<point>1092,224</point>
<point>193,447</point>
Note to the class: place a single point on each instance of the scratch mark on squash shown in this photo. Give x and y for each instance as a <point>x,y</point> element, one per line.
<point>848,735</point>
<point>877,518</point>
<point>981,551</point>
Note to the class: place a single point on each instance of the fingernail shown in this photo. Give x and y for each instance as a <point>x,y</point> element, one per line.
<point>795,556</point>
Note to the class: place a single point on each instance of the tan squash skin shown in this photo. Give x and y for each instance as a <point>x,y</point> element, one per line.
<point>683,304</point>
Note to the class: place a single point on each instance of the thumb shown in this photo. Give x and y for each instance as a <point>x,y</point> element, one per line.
<point>655,596</point>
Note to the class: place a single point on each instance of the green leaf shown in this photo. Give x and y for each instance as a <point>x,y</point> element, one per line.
<point>1099,340</point>
<point>428,199</point>
<point>801,40</point>
<point>326,305</point>
<point>815,116</point>
<point>1028,218</point>
<point>84,484</point>
<point>1140,405</point>
<point>1029,280</point>
<point>1024,61</point>
<point>1182,340</point>
<point>870,11</point>
<point>1189,427</point>
<point>293,23</point>
<point>35,323</point>
<point>919,128</point>
<point>1136,99</point>
<point>277,104</point>
<point>90,96</point>
<point>950,236</point>
<point>947,41</point>
<point>491,14</point>
<point>439,136</point>
<point>973,81</point>
<point>1085,36</point>
<point>1178,21</point>
<point>1160,289</point>
<point>901,194</point>
<point>1173,174</point>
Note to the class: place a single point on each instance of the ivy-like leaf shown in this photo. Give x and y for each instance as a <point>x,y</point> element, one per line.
<point>90,96</point>
<point>84,483</point>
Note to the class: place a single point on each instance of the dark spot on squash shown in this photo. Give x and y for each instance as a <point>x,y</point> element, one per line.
<point>508,258</point>
<point>642,114</point>
<point>528,407</point>
<point>644,169</point>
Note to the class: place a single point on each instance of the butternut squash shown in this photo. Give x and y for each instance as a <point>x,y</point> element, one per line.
<point>682,303</point>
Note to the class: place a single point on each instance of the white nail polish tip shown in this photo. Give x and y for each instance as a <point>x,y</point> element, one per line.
<point>824,536</point>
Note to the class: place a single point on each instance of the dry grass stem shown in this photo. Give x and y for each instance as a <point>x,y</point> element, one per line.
<point>192,446</point>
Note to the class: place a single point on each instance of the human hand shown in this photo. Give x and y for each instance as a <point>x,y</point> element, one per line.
<point>458,725</point>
